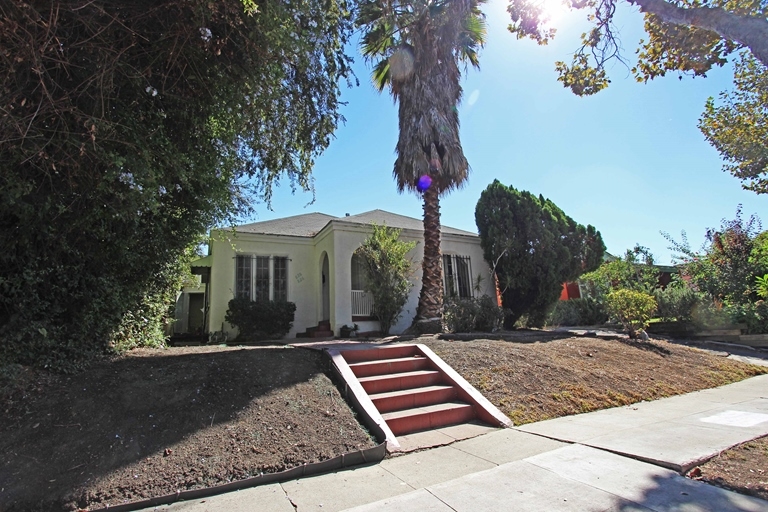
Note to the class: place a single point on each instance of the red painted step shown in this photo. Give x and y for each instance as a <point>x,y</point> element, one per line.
<point>377,354</point>
<point>384,366</point>
<point>411,398</point>
<point>428,417</point>
<point>399,381</point>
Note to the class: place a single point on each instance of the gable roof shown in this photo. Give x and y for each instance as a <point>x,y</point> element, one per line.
<point>394,220</point>
<point>307,225</point>
<point>310,224</point>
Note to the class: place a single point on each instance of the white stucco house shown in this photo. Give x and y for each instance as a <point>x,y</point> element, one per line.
<point>309,260</point>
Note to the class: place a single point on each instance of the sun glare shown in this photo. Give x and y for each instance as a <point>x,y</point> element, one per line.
<point>553,11</point>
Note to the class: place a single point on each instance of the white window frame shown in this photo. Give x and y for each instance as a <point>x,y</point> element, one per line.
<point>455,277</point>
<point>253,259</point>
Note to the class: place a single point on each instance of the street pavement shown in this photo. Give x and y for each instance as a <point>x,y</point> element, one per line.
<point>623,459</point>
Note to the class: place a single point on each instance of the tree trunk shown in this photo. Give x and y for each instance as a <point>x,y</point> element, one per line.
<point>431,297</point>
<point>750,31</point>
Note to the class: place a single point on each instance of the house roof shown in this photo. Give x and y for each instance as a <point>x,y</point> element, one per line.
<point>309,224</point>
<point>394,220</point>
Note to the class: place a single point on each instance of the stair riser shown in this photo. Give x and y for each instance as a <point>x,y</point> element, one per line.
<point>358,356</point>
<point>385,367</point>
<point>396,383</point>
<point>432,420</point>
<point>415,399</point>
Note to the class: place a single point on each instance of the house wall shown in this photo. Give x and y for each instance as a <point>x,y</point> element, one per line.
<point>348,237</point>
<point>338,241</point>
<point>303,275</point>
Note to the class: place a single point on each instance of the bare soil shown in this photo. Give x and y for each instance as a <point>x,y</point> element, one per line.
<point>537,375</point>
<point>743,469</point>
<point>534,375</point>
<point>156,421</point>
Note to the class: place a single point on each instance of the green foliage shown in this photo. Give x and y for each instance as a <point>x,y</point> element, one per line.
<point>388,268</point>
<point>634,271</point>
<point>681,37</point>
<point>582,311</point>
<point>260,319</point>
<point>129,129</point>
<point>753,314</point>
<point>677,302</point>
<point>633,309</point>
<point>473,315</point>
<point>684,37</point>
<point>728,263</point>
<point>533,247</point>
<point>738,127</point>
<point>761,283</point>
<point>709,315</point>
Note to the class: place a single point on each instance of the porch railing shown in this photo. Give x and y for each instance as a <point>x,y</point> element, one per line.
<point>362,303</point>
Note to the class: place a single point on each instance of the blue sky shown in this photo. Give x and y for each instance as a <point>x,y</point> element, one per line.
<point>629,160</point>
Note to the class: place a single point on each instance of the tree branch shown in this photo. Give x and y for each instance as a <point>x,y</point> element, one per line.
<point>750,31</point>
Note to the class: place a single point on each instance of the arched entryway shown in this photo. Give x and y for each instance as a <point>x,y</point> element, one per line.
<point>325,283</point>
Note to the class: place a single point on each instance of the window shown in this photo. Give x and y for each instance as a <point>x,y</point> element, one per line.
<point>261,277</point>
<point>358,273</point>
<point>457,280</point>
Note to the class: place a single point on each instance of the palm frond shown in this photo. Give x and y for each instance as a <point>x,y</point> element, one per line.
<point>380,75</point>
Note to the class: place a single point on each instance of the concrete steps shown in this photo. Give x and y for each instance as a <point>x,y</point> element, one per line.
<point>408,389</point>
<point>321,330</point>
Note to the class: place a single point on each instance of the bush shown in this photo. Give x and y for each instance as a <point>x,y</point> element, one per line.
<point>708,315</point>
<point>260,320</point>
<point>387,273</point>
<point>753,314</point>
<point>676,303</point>
<point>632,308</point>
<point>473,315</point>
<point>584,311</point>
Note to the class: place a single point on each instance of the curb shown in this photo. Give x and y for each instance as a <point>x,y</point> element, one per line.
<point>346,460</point>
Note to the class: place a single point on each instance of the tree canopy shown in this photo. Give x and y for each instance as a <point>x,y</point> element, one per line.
<point>689,36</point>
<point>686,37</point>
<point>127,129</point>
<point>738,126</point>
<point>533,247</point>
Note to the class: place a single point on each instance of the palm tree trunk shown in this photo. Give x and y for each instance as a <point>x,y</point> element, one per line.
<point>430,307</point>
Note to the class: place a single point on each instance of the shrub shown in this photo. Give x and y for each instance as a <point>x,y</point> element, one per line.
<point>583,311</point>
<point>632,308</point>
<point>533,248</point>
<point>753,314</point>
<point>565,312</point>
<point>387,269</point>
<point>708,315</point>
<point>473,315</point>
<point>676,303</point>
<point>260,320</point>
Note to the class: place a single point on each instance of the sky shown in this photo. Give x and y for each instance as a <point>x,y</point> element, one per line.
<point>629,160</point>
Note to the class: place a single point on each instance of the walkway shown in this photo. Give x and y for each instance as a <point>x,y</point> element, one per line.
<point>579,463</point>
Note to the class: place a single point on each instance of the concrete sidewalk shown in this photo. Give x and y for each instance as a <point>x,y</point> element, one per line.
<point>567,464</point>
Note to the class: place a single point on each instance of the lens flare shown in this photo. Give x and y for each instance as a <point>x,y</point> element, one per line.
<point>424,183</point>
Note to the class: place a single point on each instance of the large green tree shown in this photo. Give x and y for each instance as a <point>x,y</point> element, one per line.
<point>126,130</point>
<point>738,126</point>
<point>687,37</point>
<point>417,46</point>
<point>533,247</point>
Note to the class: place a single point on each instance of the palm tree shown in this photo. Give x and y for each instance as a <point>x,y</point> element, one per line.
<point>417,47</point>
